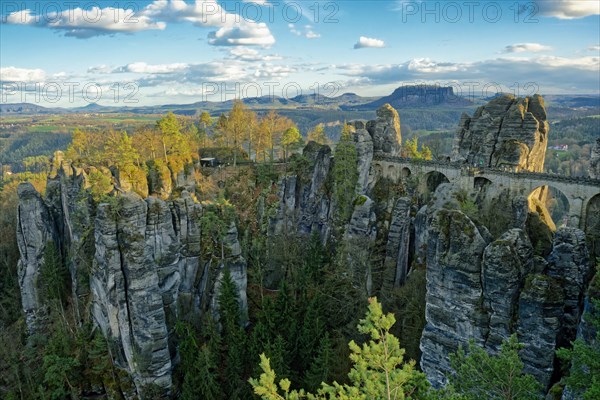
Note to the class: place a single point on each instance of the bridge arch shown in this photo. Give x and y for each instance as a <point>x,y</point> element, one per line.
<point>551,204</point>
<point>481,182</point>
<point>433,179</point>
<point>405,172</point>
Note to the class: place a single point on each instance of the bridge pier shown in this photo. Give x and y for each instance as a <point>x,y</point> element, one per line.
<point>576,211</point>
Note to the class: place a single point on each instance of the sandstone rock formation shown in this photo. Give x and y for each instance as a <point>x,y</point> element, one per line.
<point>127,301</point>
<point>506,132</point>
<point>595,161</point>
<point>487,290</point>
<point>358,242</point>
<point>398,244</point>
<point>137,260</point>
<point>236,264</point>
<point>454,311</point>
<point>364,150</point>
<point>385,131</point>
<point>304,204</point>
<point>34,236</point>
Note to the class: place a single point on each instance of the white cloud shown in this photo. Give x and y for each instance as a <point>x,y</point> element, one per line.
<point>259,2</point>
<point>294,30</point>
<point>307,31</point>
<point>250,55</point>
<point>100,69</point>
<point>364,42</point>
<point>249,34</point>
<point>547,72</point>
<point>594,48</point>
<point>188,74</point>
<point>83,24</point>
<point>87,23</point>
<point>269,71</point>
<point>526,47</point>
<point>25,75</point>
<point>568,9</point>
<point>143,68</point>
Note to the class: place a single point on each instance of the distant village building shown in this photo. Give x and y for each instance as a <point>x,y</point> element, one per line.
<point>560,147</point>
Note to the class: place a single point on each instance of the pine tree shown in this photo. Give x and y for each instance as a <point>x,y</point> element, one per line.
<point>479,375</point>
<point>321,366</point>
<point>60,365</point>
<point>345,174</point>
<point>378,371</point>
<point>206,366</point>
<point>315,257</point>
<point>313,328</point>
<point>233,336</point>
<point>54,276</point>
<point>280,356</point>
<point>201,379</point>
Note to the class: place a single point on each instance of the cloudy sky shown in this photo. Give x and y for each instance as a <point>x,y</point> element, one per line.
<point>70,53</point>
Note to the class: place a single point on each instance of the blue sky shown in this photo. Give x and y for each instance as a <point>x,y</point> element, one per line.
<point>70,53</point>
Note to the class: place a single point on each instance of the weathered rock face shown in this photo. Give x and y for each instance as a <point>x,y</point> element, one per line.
<point>595,161</point>
<point>385,131</point>
<point>454,311</point>
<point>569,264</point>
<point>358,241</point>
<point>486,290</point>
<point>71,209</point>
<point>137,260</point>
<point>508,131</point>
<point>126,294</point>
<point>506,262</point>
<point>364,150</point>
<point>587,330</point>
<point>538,325</point>
<point>236,264</point>
<point>304,203</point>
<point>186,218</point>
<point>398,245</point>
<point>35,234</point>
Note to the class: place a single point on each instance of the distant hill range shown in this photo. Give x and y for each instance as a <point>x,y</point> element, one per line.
<point>404,97</point>
<point>28,108</point>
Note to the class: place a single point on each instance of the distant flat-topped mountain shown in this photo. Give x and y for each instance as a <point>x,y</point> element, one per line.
<point>416,96</point>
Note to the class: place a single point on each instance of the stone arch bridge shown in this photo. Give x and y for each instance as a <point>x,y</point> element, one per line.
<point>580,192</point>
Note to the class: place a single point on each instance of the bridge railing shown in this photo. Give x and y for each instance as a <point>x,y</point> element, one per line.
<point>483,170</point>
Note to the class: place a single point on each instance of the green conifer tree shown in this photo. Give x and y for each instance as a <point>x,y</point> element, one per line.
<point>378,371</point>
<point>321,367</point>
<point>233,338</point>
<point>479,375</point>
<point>345,174</point>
